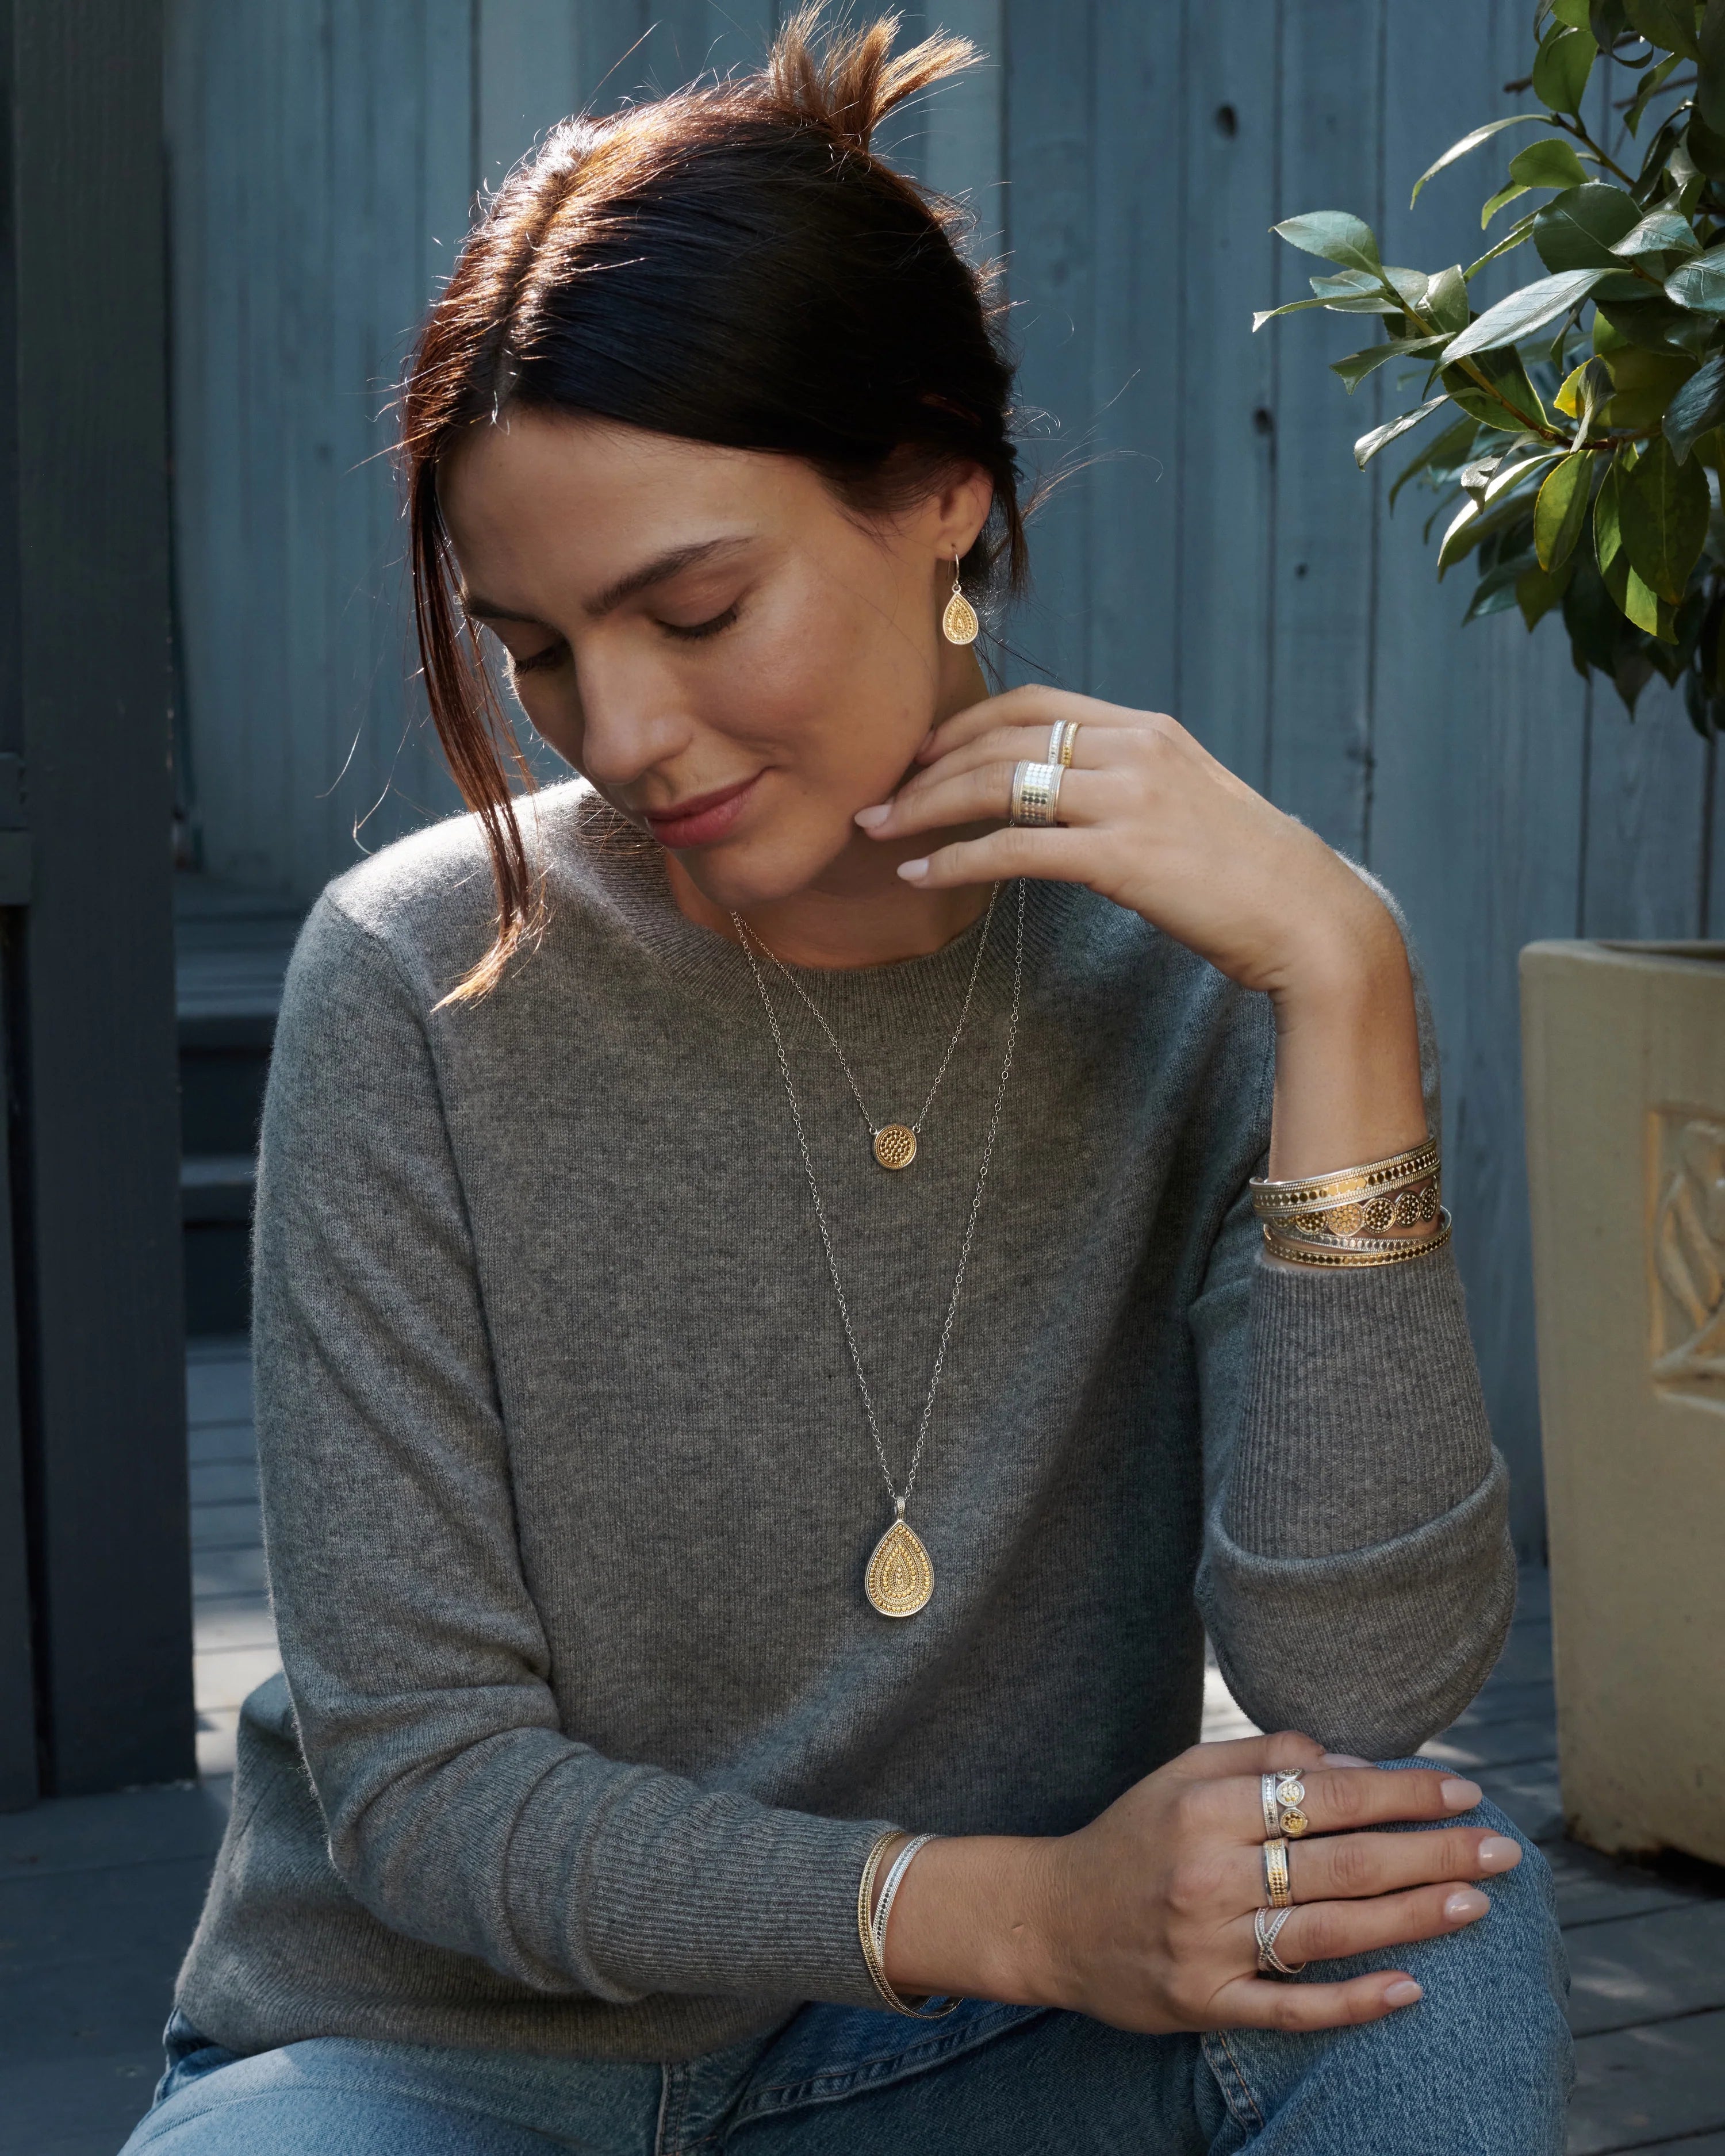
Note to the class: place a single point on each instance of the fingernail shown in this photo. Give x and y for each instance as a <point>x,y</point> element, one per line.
<point>869,818</point>
<point>1403,1993</point>
<point>1458,1795</point>
<point>1343,1759</point>
<point>913,871</point>
<point>1462,1908</point>
<point>1497,1852</point>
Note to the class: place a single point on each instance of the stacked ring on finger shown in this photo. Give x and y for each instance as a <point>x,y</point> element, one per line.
<point>1062,740</point>
<point>1282,1796</point>
<point>1278,1886</point>
<point>1266,1928</point>
<point>1035,793</point>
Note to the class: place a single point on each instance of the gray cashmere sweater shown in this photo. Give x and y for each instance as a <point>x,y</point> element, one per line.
<point>586,1725</point>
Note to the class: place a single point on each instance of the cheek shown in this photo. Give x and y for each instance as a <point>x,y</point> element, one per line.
<point>830,689</point>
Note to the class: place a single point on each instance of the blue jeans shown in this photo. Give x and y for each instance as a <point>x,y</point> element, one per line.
<point>1481,2064</point>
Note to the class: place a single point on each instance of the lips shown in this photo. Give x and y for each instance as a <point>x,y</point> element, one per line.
<point>702,818</point>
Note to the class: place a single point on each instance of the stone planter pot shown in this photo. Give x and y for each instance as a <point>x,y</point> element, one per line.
<point>1624,1058</point>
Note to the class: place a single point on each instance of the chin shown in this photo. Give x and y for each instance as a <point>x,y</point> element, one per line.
<point>762,870</point>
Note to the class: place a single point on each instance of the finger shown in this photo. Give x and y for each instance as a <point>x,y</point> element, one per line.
<point>1335,1799</point>
<point>980,795</point>
<point>1326,1931</point>
<point>1255,2002</point>
<point>1350,1865</point>
<point>1357,1867</point>
<point>1032,705</point>
<point>1248,1755</point>
<point>1060,856</point>
<point>1097,748</point>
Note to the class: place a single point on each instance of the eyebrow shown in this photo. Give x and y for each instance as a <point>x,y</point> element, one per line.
<point>659,571</point>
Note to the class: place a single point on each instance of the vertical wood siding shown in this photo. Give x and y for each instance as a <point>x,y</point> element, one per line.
<point>1211,549</point>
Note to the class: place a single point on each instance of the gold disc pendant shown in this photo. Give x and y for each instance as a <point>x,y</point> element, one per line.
<point>899,1578</point>
<point>959,624</point>
<point>895,1145</point>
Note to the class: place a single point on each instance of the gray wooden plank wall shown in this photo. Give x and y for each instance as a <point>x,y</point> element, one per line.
<point>1214,553</point>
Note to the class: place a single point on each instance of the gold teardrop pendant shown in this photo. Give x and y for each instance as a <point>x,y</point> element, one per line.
<point>899,1578</point>
<point>959,624</point>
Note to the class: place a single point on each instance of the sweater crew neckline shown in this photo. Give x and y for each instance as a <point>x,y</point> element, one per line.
<point>906,995</point>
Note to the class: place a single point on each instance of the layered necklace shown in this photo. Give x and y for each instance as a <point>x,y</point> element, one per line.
<point>895,1144</point>
<point>899,1578</point>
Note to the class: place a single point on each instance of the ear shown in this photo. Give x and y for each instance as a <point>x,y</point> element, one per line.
<point>958,512</point>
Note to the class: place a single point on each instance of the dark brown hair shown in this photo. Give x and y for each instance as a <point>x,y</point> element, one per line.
<point>731,264</point>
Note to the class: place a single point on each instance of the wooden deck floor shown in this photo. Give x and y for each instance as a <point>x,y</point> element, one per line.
<point>98,1894</point>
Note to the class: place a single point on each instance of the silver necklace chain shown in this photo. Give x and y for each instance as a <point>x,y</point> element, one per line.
<point>746,935</point>
<point>900,1499</point>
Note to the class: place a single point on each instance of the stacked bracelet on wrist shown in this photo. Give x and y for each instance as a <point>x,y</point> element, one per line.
<point>872,1923</point>
<point>1351,1218</point>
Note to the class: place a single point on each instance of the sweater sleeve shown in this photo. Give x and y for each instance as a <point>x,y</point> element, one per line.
<point>1357,1578</point>
<point>458,1810</point>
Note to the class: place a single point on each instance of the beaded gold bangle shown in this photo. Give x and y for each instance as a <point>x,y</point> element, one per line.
<point>874,1936</point>
<point>1271,1199</point>
<point>1363,1250</point>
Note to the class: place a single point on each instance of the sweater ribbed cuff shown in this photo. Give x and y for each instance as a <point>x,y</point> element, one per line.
<point>1362,1417</point>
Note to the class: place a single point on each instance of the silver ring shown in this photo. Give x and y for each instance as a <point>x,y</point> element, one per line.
<point>1272,1815</point>
<point>1266,1928</point>
<point>1035,793</point>
<point>1290,1796</point>
<point>1062,739</point>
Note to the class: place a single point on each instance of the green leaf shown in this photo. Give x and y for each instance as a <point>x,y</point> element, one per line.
<point>1697,407</point>
<point>1635,599</point>
<point>1335,235</point>
<point>1524,312</point>
<point>1469,143</point>
<point>1380,438</point>
<point>1538,591</point>
<point>1642,384</point>
<point>1659,233</point>
<point>1706,146</point>
<point>1561,512</point>
<point>1521,230</point>
<point>1551,163</point>
<point>1562,66</point>
<point>1663,508</point>
<point>1354,369</point>
<point>1700,285</point>
<point>1668,23</point>
<point>1652,83</point>
<point>1505,399</point>
<point>1451,447</point>
<point>1574,12</point>
<point>1496,590</point>
<point>1351,284</point>
<point>1710,85</point>
<point>1447,299</point>
<point>1578,229</point>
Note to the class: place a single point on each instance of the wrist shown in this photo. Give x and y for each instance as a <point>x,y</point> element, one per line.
<point>973,1918</point>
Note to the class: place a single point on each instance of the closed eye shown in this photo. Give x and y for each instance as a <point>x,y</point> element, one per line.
<point>692,632</point>
<point>541,661</point>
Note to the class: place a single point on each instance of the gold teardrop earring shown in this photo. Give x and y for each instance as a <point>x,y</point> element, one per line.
<point>959,624</point>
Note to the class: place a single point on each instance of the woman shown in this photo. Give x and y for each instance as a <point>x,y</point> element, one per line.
<point>767,1341</point>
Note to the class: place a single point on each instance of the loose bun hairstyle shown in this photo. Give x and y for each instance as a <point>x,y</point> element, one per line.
<point>768,283</point>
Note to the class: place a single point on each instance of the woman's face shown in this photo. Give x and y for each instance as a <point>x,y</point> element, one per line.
<point>734,662</point>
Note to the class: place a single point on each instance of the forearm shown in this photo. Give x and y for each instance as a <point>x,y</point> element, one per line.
<point>1348,1086</point>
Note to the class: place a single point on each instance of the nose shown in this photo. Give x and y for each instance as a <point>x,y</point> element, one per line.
<point>632,718</point>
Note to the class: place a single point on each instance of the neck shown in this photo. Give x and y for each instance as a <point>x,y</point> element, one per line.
<point>859,911</point>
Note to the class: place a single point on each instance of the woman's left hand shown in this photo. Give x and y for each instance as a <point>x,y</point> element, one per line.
<point>1148,819</point>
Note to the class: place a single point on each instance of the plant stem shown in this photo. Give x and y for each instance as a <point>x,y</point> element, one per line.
<point>1574,127</point>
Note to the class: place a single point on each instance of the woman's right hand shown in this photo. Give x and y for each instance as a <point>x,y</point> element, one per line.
<point>1143,1918</point>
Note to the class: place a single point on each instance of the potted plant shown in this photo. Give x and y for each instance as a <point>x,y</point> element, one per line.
<point>1574,432</point>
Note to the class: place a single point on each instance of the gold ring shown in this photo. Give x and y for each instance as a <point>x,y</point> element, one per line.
<point>1289,1795</point>
<point>1266,1927</point>
<point>1278,1887</point>
<point>1035,793</point>
<point>1062,739</point>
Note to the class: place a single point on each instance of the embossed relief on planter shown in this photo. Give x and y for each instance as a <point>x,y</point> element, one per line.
<point>1686,1251</point>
